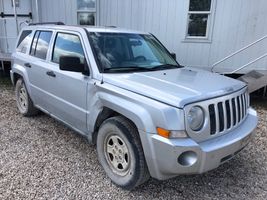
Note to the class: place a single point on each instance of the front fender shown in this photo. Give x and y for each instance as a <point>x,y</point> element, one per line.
<point>147,114</point>
<point>133,111</point>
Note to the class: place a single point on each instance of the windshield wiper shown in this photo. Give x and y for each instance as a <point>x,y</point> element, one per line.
<point>138,68</point>
<point>165,66</point>
<point>128,68</point>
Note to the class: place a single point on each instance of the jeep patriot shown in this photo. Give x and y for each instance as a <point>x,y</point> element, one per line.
<point>123,90</point>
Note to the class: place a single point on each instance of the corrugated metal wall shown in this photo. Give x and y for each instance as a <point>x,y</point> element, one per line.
<point>236,24</point>
<point>2,31</point>
<point>59,10</point>
<point>8,25</point>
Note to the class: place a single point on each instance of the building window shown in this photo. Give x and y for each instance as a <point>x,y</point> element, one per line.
<point>86,12</point>
<point>199,19</point>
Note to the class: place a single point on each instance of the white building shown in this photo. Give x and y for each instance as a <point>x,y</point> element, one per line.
<point>200,32</point>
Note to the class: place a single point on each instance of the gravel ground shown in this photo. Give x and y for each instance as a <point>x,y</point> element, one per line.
<point>42,159</point>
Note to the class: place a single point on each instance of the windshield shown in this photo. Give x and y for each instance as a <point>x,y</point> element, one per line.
<point>124,52</point>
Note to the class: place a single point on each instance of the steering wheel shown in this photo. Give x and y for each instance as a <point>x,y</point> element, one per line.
<point>140,58</point>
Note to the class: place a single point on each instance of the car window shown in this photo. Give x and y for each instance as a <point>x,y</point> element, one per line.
<point>34,42</point>
<point>24,41</point>
<point>67,45</point>
<point>40,44</point>
<point>141,49</point>
<point>122,52</point>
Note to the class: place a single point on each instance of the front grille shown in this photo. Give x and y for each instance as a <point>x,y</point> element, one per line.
<point>226,114</point>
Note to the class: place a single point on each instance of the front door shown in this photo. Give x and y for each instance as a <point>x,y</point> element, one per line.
<point>67,90</point>
<point>9,27</point>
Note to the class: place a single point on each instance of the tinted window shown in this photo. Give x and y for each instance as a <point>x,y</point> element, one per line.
<point>67,45</point>
<point>141,49</point>
<point>122,52</point>
<point>40,44</point>
<point>24,41</point>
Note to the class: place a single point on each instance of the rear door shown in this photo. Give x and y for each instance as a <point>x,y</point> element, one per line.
<point>36,66</point>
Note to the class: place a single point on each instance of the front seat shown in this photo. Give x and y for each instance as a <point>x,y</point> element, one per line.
<point>111,51</point>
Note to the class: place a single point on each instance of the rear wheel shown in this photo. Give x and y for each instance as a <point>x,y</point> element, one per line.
<point>24,102</point>
<point>120,153</point>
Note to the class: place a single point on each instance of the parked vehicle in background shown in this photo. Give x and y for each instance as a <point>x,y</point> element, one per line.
<point>123,90</point>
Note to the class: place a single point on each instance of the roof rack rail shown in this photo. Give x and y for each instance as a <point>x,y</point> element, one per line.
<point>46,23</point>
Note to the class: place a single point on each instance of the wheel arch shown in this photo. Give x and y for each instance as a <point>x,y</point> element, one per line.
<point>16,77</point>
<point>137,115</point>
<point>20,72</point>
<point>105,114</point>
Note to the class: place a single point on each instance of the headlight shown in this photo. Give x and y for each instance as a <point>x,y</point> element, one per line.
<point>195,118</point>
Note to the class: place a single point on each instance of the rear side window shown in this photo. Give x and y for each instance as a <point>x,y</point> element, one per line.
<point>24,41</point>
<point>67,45</point>
<point>40,44</point>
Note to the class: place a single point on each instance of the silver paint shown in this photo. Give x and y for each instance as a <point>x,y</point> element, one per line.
<point>149,99</point>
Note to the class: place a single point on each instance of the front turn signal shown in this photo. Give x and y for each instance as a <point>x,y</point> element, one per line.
<point>163,132</point>
<point>171,134</point>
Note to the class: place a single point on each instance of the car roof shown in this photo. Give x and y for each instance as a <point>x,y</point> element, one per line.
<point>106,29</point>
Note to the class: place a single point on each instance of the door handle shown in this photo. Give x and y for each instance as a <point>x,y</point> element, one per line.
<point>51,73</point>
<point>27,65</point>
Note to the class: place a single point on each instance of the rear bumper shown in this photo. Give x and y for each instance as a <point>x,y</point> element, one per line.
<point>167,158</point>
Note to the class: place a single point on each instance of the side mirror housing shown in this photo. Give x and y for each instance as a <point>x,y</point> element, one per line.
<point>72,64</point>
<point>173,55</point>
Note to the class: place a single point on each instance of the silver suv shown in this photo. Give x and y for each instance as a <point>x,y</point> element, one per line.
<point>124,91</point>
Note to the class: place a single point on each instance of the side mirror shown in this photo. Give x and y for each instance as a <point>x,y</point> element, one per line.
<point>72,64</point>
<point>173,55</point>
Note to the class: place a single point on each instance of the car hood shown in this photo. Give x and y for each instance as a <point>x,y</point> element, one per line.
<point>176,87</point>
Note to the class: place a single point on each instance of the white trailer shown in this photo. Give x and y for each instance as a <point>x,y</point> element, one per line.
<point>14,14</point>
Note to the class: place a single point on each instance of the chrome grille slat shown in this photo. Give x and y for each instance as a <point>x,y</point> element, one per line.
<point>244,105</point>
<point>247,102</point>
<point>240,108</point>
<point>225,116</point>
<point>237,111</point>
<point>228,113</point>
<point>231,114</point>
<point>217,118</point>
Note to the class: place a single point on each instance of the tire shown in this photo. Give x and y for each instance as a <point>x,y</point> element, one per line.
<point>24,102</point>
<point>120,153</point>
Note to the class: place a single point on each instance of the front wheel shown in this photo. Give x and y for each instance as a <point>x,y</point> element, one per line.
<point>24,102</point>
<point>120,153</point>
